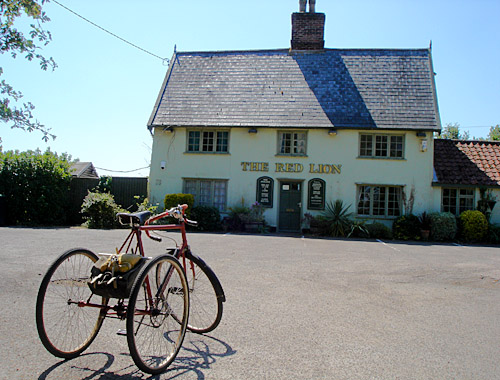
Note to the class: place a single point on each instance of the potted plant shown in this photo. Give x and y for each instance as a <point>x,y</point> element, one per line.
<point>425,225</point>
<point>254,220</point>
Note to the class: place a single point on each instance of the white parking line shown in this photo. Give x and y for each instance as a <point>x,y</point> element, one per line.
<point>387,245</point>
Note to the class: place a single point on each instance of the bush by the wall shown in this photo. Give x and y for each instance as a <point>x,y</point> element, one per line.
<point>208,218</point>
<point>35,186</point>
<point>379,230</point>
<point>406,227</point>
<point>473,225</point>
<point>173,200</point>
<point>443,226</point>
<point>99,210</point>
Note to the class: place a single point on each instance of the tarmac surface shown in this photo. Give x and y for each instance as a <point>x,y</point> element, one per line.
<point>297,308</point>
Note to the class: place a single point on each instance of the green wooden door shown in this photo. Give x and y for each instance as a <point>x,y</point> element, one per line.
<point>290,206</point>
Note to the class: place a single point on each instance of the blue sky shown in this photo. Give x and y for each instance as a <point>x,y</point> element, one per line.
<point>98,101</point>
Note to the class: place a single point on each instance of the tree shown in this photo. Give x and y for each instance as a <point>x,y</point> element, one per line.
<point>494,134</point>
<point>452,131</point>
<point>15,42</point>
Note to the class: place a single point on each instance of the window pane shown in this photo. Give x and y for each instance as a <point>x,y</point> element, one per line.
<point>366,145</point>
<point>194,141</point>
<point>285,142</point>
<point>450,201</point>
<point>396,146</point>
<point>205,196</point>
<point>190,188</point>
<point>364,200</point>
<point>466,200</point>
<point>379,194</point>
<point>208,142</point>
<point>381,146</point>
<point>222,141</point>
<point>220,195</point>
<point>299,143</point>
<point>394,201</point>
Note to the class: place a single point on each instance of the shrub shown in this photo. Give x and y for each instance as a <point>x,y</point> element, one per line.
<point>443,226</point>
<point>473,225</point>
<point>320,225</point>
<point>379,230</point>
<point>99,210</point>
<point>173,200</point>
<point>35,186</point>
<point>493,235</point>
<point>208,218</point>
<point>406,227</point>
<point>338,218</point>
<point>237,217</point>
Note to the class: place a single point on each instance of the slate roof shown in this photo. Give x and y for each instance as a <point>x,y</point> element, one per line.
<point>343,88</point>
<point>462,162</point>
<point>83,170</point>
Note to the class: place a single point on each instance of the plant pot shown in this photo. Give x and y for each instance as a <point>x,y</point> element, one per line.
<point>254,226</point>
<point>425,234</point>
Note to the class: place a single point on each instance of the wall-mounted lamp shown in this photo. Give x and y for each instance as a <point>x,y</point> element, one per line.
<point>252,130</point>
<point>332,132</point>
<point>163,164</point>
<point>421,134</point>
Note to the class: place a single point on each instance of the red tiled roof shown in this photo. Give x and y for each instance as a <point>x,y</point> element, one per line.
<point>467,162</point>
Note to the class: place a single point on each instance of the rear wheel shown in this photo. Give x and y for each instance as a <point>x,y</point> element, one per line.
<point>205,310</point>
<point>66,328</point>
<point>157,314</point>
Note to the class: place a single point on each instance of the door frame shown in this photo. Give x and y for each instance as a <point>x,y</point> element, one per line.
<point>301,202</point>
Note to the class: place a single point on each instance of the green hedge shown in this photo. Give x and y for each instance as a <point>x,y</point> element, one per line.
<point>208,218</point>
<point>406,227</point>
<point>35,186</point>
<point>99,210</point>
<point>173,200</point>
<point>443,226</point>
<point>473,225</point>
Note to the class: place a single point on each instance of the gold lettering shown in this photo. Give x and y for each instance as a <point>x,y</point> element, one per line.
<point>254,166</point>
<point>312,168</point>
<point>299,168</point>
<point>289,168</point>
<point>265,166</point>
<point>336,168</point>
<point>279,167</point>
<point>244,166</point>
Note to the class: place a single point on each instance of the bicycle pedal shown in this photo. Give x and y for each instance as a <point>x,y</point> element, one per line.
<point>122,332</point>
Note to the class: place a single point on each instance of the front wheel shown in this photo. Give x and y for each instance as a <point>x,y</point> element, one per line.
<point>66,327</point>
<point>157,314</point>
<point>206,295</point>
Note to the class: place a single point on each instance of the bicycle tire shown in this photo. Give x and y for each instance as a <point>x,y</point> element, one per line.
<point>206,295</point>
<point>65,328</point>
<point>157,314</point>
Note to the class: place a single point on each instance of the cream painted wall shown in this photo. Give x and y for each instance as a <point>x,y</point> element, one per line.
<point>415,171</point>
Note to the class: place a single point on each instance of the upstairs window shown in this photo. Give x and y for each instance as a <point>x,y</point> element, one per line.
<point>381,146</point>
<point>292,143</point>
<point>211,141</point>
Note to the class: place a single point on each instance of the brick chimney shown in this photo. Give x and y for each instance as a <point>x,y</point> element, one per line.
<point>308,28</point>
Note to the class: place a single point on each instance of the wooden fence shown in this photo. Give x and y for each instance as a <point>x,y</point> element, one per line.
<point>123,189</point>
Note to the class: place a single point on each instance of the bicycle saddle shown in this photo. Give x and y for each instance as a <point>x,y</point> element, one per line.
<point>133,218</point>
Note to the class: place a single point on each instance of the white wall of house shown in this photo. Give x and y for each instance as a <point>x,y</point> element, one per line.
<point>255,155</point>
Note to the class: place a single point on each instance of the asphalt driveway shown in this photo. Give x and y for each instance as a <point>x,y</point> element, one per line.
<point>297,308</point>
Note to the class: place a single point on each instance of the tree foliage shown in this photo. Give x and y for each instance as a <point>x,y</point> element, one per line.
<point>15,42</point>
<point>452,131</point>
<point>494,134</point>
<point>36,186</point>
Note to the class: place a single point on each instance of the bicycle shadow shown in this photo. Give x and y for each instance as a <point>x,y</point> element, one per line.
<point>198,354</point>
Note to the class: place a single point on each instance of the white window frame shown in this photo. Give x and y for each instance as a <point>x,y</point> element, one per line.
<point>368,198</point>
<point>297,146</point>
<point>463,197</point>
<point>376,148</point>
<point>219,140</point>
<point>207,192</point>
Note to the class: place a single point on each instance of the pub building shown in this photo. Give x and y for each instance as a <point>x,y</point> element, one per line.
<point>296,128</point>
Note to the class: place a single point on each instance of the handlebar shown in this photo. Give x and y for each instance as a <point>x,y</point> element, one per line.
<point>176,212</point>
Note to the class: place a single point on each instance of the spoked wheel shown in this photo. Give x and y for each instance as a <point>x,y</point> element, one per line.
<point>206,296</point>
<point>66,328</point>
<point>157,314</point>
